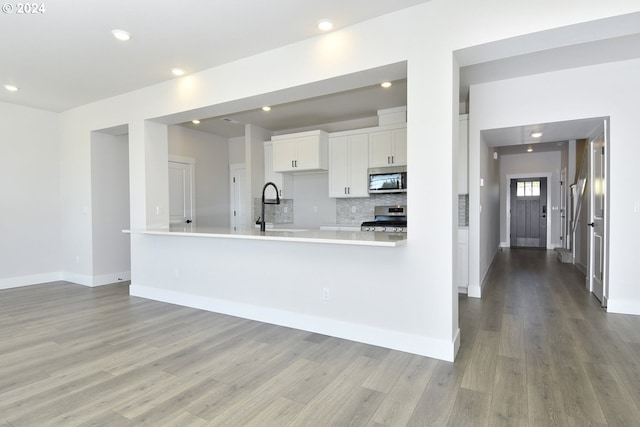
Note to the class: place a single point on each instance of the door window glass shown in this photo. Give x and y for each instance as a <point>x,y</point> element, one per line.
<point>528,189</point>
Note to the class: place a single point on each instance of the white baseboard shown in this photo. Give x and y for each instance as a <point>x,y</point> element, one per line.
<point>462,289</point>
<point>474,291</point>
<point>107,279</point>
<point>34,279</point>
<point>395,340</point>
<point>580,266</point>
<point>623,306</point>
<point>93,281</point>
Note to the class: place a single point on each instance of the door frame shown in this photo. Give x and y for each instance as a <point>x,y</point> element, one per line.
<point>192,175</point>
<point>509,177</point>
<point>605,221</point>
<point>235,169</point>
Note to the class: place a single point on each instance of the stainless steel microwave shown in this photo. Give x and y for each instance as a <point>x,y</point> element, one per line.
<point>388,180</point>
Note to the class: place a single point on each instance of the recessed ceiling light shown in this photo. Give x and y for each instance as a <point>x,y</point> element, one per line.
<point>529,150</point>
<point>325,25</point>
<point>177,71</point>
<point>385,84</point>
<point>11,88</point>
<point>266,108</point>
<point>536,134</point>
<point>195,121</point>
<point>121,35</point>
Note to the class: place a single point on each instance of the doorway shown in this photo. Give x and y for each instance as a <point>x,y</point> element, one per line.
<point>597,209</point>
<point>528,211</point>
<point>239,209</point>
<point>181,193</point>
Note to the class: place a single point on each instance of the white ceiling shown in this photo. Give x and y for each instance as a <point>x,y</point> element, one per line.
<point>516,140</point>
<point>67,56</point>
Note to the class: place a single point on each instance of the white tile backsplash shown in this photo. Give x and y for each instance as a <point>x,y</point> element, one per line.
<point>356,211</point>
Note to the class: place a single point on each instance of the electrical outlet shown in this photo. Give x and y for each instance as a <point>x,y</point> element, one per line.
<point>325,294</point>
<point>636,207</point>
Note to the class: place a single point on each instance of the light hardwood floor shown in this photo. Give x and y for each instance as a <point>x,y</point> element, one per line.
<point>536,350</point>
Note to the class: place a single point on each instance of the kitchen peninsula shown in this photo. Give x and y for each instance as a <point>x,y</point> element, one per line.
<point>287,235</point>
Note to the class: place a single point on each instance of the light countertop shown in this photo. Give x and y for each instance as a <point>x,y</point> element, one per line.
<point>362,238</point>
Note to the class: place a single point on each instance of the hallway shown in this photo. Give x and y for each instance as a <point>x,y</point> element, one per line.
<point>538,348</point>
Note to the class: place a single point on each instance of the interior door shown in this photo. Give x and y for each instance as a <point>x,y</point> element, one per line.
<point>529,212</point>
<point>239,209</point>
<point>597,224</point>
<point>180,194</point>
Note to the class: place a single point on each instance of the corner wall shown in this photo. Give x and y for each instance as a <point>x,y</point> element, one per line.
<point>30,193</point>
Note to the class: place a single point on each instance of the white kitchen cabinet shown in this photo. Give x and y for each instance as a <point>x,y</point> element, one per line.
<point>348,165</point>
<point>284,182</point>
<point>388,148</point>
<point>463,154</point>
<point>300,152</point>
<point>463,260</point>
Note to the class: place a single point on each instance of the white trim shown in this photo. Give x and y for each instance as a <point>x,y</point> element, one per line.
<point>622,306</point>
<point>107,279</point>
<point>509,177</point>
<point>93,281</point>
<point>192,177</point>
<point>395,340</point>
<point>34,279</point>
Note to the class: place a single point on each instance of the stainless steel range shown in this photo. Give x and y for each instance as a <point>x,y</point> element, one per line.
<point>390,219</point>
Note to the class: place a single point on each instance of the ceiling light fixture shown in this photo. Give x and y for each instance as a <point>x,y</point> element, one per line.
<point>11,88</point>
<point>529,150</point>
<point>121,35</point>
<point>266,108</point>
<point>386,84</point>
<point>195,121</point>
<point>177,71</point>
<point>536,134</point>
<point>325,25</point>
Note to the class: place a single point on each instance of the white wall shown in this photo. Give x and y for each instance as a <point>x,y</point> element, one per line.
<point>409,302</point>
<point>236,150</point>
<point>110,209</point>
<point>311,202</point>
<point>211,155</point>
<point>567,95</point>
<point>29,196</point>
<point>533,165</point>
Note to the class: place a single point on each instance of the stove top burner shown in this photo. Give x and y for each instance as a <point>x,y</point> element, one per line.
<point>390,219</point>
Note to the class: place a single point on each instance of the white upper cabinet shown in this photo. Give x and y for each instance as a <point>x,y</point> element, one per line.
<point>463,155</point>
<point>388,148</point>
<point>299,152</point>
<point>348,164</point>
<point>284,182</point>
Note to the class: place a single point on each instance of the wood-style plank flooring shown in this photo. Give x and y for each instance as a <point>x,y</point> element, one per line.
<point>537,350</point>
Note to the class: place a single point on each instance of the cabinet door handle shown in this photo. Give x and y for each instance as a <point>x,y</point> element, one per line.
<point>292,164</point>
<point>345,190</point>
<point>392,160</point>
<point>388,160</point>
<point>348,190</point>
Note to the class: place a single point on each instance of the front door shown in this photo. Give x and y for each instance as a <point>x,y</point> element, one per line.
<point>597,238</point>
<point>529,212</point>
